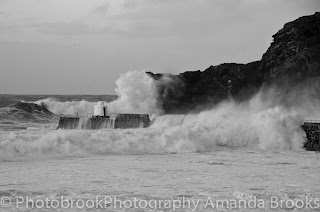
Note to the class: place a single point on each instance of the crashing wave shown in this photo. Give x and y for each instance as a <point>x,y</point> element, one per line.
<point>27,112</point>
<point>72,108</point>
<point>228,126</point>
<point>259,123</point>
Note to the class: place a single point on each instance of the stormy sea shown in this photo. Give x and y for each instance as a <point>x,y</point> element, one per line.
<point>232,157</point>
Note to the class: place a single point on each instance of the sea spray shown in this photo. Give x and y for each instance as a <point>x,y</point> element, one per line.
<point>72,108</point>
<point>266,121</point>
<point>137,94</point>
<point>228,124</point>
<point>136,90</point>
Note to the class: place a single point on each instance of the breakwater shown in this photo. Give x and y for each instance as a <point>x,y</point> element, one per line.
<point>125,121</point>
<point>312,129</point>
<point>120,121</point>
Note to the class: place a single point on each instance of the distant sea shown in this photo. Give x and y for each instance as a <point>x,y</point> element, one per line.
<point>17,116</point>
<point>8,99</point>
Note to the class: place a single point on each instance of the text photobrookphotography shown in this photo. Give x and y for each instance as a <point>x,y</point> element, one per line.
<point>100,202</point>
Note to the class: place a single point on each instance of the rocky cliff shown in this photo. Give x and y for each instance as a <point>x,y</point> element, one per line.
<point>293,57</point>
<point>193,91</point>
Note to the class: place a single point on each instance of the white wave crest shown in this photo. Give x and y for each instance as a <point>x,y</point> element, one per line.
<point>264,122</point>
<point>137,94</point>
<point>228,125</point>
<point>72,108</point>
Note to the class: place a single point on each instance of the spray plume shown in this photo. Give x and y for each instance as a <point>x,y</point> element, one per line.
<point>266,121</point>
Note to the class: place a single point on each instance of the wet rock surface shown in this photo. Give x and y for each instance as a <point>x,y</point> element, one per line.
<point>292,59</point>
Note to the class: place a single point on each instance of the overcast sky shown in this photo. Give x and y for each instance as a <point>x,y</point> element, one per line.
<point>82,46</point>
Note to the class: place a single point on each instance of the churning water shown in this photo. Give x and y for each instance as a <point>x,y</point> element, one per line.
<point>231,152</point>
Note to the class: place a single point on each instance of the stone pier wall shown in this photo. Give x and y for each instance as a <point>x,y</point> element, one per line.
<point>312,130</point>
<point>68,123</point>
<point>121,121</point>
<point>124,121</point>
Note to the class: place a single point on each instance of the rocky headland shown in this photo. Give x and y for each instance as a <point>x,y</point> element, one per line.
<point>292,59</point>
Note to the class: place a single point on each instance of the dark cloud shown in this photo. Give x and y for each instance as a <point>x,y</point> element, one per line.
<point>64,29</point>
<point>101,10</point>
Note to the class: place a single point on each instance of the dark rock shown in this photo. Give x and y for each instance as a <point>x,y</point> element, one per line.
<point>292,58</point>
<point>193,91</point>
<point>294,55</point>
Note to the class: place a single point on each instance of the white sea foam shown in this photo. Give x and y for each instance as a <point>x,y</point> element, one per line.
<point>73,108</point>
<point>137,94</point>
<point>229,125</point>
<point>263,122</point>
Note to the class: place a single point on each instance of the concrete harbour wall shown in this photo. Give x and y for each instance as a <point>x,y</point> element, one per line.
<point>312,130</point>
<point>121,121</point>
